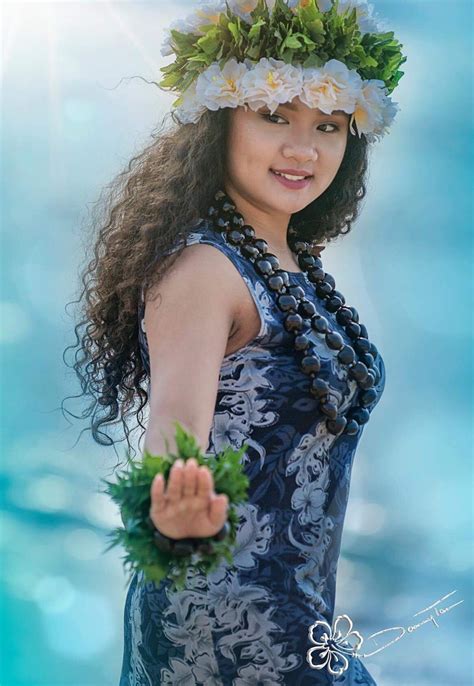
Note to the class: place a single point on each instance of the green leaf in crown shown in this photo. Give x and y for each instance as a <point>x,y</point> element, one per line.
<point>303,34</point>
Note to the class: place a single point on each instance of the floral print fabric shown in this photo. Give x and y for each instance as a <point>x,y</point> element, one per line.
<point>247,624</point>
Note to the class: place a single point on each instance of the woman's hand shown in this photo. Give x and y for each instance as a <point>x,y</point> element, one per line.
<point>188,507</point>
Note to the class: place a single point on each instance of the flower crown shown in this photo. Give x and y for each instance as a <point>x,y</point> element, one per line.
<point>333,54</point>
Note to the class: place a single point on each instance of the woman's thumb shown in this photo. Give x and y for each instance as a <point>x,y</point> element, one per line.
<point>217,508</point>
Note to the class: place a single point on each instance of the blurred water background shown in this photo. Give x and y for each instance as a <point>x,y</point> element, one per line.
<point>67,127</point>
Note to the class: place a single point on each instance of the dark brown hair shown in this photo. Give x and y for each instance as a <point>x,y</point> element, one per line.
<point>145,210</point>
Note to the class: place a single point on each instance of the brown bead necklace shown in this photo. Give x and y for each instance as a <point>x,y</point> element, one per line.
<point>359,358</point>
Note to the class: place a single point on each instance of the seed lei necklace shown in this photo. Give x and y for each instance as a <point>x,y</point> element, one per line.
<point>359,358</point>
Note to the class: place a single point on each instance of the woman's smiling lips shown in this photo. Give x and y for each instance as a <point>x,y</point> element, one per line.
<point>301,183</point>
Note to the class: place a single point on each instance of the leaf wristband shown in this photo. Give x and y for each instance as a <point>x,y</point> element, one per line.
<point>147,550</point>
<point>187,546</point>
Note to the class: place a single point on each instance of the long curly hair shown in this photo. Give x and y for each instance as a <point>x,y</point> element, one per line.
<point>147,209</point>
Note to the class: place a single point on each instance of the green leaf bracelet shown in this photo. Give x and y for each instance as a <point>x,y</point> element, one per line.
<point>147,550</point>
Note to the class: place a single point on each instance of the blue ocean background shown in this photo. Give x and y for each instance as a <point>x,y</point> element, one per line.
<point>71,120</point>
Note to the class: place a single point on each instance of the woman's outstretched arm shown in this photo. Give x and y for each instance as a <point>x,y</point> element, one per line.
<point>187,327</point>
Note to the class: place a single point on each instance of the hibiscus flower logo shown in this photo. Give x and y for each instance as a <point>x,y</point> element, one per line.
<point>332,646</point>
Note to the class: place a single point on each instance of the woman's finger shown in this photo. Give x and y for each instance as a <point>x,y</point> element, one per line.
<point>174,488</point>
<point>204,482</point>
<point>158,500</point>
<point>218,508</point>
<point>189,478</point>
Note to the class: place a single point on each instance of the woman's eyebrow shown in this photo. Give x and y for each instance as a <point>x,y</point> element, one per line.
<point>295,108</point>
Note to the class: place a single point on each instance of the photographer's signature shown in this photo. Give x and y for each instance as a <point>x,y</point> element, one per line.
<point>335,643</point>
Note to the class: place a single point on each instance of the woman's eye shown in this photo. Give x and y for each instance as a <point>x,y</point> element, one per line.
<point>335,127</point>
<point>267,115</point>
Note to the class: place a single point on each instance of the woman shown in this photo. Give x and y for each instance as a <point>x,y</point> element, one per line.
<point>242,337</point>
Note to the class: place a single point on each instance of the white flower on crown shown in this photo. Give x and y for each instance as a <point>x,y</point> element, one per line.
<point>206,13</point>
<point>374,110</point>
<point>242,8</point>
<point>331,87</point>
<point>216,88</point>
<point>271,82</point>
<point>190,110</point>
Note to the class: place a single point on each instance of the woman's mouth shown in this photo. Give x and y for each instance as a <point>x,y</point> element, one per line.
<point>292,182</point>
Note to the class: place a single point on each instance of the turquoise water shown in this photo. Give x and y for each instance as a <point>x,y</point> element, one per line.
<point>67,128</point>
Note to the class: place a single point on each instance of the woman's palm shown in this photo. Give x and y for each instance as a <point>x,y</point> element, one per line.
<point>188,507</point>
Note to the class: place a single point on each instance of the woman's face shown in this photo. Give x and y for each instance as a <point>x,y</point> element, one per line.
<point>294,137</point>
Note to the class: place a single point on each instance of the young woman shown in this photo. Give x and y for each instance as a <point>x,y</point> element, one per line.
<point>242,337</point>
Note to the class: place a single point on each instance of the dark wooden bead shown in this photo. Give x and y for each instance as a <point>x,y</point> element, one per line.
<point>358,371</point>
<point>222,223</point>
<point>367,359</point>
<point>367,383</point>
<point>361,345</point>
<point>237,221</point>
<point>333,304</point>
<point>355,314</point>
<point>306,308</point>
<point>293,322</point>
<point>261,244</point>
<point>368,397</point>
<point>352,427</point>
<point>336,426</point>
<point>276,283</point>
<point>222,533</point>
<point>284,276</point>
<point>311,363</point>
<point>300,246</point>
<point>249,251</point>
<point>183,547</point>
<point>235,237</point>
<point>287,302</point>
<point>296,290</point>
<point>344,315</point>
<point>273,259</point>
<point>329,409</point>
<point>263,266</point>
<point>346,355</point>
<point>375,374</point>
<point>361,415</point>
<point>330,280</point>
<point>204,547</point>
<point>306,261</point>
<point>316,275</point>
<point>339,295</point>
<point>162,542</point>
<point>319,387</point>
<point>248,231</point>
<point>323,289</point>
<point>301,342</point>
<point>319,324</point>
<point>334,340</point>
<point>353,330</point>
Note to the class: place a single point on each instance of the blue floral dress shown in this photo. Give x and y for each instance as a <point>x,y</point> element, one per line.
<point>248,624</point>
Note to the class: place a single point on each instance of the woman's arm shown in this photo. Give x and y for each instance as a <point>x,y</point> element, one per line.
<point>187,327</point>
